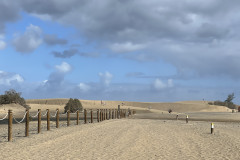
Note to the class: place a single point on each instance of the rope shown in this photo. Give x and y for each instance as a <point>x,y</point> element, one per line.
<point>4,117</point>
<point>64,113</point>
<point>35,115</point>
<point>55,114</point>
<point>21,120</point>
<point>74,112</point>
<point>45,114</point>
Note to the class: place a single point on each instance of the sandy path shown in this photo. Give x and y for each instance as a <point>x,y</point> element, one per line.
<point>129,139</point>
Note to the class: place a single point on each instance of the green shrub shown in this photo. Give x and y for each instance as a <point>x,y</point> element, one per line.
<point>11,96</point>
<point>73,105</point>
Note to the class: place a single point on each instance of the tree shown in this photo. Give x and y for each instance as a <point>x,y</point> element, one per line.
<point>11,96</point>
<point>73,105</point>
<point>229,102</point>
<point>230,98</point>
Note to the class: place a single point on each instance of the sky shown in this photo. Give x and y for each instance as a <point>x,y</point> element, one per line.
<point>126,50</point>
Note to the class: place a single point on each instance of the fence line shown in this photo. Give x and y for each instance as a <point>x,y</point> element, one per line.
<point>4,117</point>
<point>101,115</point>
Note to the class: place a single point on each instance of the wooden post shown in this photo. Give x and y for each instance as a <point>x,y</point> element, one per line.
<point>102,115</point>
<point>98,115</point>
<point>112,113</point>
<point>39,120</point>
<point>85,116</point>
<point>109,114</point>
<point>118,112</point>
<point>212,128</point>
<point>115,113</point>
<point>27,124</point>
<point>57,119</point>
<point>187,119</point>
<point>9,125</point>
<point>68,118</point>
<point>106,114</point>
<point>91,116</point>
<point>48,119</point>
<point>77,117</point>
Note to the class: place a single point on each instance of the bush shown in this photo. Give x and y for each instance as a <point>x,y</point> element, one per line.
<point>219,103</point>
<point>170,111</point>
<point>210,103</point>
<point>12,96</point>
<point>230,105</point>
<point>73,105</point>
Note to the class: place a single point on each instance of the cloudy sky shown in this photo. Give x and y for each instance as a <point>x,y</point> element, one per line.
<point>133,50</point>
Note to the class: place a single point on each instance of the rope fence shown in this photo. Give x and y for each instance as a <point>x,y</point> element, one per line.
<point>88,116</point>
<point>4,117</point>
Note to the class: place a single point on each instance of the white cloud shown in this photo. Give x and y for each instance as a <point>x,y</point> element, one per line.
<point>64,67</point>
<point>84,87</point>
<point>2,45</point>
<point>105,78</point>
<point>9,78</point>
<point>126,47</point>
<point>29,41</point>
<point>159,84</point>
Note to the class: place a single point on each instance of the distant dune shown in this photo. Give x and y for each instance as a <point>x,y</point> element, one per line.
<point>177,107</point>
<point>184,106</point>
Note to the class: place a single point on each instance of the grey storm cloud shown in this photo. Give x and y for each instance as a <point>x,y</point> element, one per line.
<point>186,34</point>
<point>52,39</point>
<point>65,53</point>
<point>9,12</point>
<point>194,36</point>
<point>72,52</point>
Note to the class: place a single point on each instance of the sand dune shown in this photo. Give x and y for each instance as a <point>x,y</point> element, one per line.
<point>152,134</point>
<point>177,107</point>
<point>186,106</point>
<point>130,139</point>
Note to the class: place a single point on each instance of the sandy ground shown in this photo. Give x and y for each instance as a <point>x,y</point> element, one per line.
<point>152,133</point>
<point>129,139</point>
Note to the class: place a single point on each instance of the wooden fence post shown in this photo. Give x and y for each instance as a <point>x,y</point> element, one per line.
<point>109,114</point>
<point>85,116</point>
<point>106,114</point>
<point>57,118</point>
<point>77,117</point>
<point>48,119</point>
<point>112,113</point>
<point>68,118</point>
<point>101,114</point>
<point>98,115</point>
<point>118,112</point>
<point>91,116</point>
<point>39,120</point>
<point>9,125</point>
<point>27,124</point>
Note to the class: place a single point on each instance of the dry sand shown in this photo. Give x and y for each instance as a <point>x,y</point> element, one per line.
<point>151,134</point>
<point>129,139</point>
